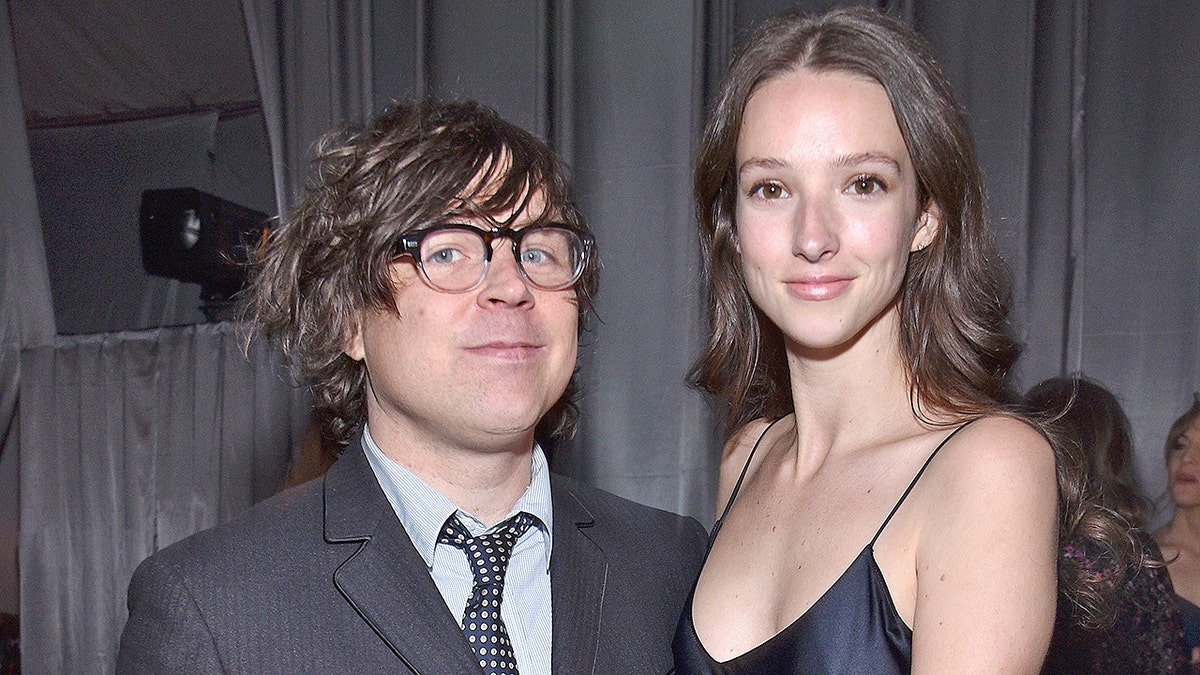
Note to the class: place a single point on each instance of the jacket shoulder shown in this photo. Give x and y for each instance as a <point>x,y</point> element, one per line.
<point>623,523</point>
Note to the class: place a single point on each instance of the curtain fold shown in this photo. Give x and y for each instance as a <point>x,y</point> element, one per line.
<point>644,434</point>
<point>264,51</point>
<point>312,59</point>
<point>26,313</point>
<point>130,442</point>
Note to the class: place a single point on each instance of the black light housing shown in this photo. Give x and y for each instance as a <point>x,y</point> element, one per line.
<point>202,239</point>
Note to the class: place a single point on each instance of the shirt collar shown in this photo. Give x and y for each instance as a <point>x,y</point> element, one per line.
<point>423,510</point>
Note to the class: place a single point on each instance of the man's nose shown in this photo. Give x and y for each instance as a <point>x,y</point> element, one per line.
<point>504,282</point>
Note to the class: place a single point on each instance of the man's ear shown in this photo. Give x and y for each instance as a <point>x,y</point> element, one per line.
<point>928,225</point>
<point>353,346</point>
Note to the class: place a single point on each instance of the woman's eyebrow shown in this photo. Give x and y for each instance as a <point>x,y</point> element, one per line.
<point>857,158</point>
<point>760,163</point>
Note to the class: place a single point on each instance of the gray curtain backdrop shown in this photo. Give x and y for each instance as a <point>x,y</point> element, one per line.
<point>26,314</point>
<point>313,61</point>
<point>133,441</point>
<point>1083,112</point>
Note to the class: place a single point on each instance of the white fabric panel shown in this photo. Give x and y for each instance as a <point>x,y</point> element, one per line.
<point>26,315</point>
<point>131,441</point>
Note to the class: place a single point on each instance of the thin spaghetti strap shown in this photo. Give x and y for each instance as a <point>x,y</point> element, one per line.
<point>916,478</point>
<point>738,485</point>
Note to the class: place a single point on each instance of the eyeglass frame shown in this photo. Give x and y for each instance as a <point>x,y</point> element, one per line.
<point>410,245</point>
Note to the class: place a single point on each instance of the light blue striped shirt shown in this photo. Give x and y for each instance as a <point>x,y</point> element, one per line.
<point>423,510</point>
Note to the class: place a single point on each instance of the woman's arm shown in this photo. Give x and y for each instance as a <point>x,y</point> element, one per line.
<point>986,553</point>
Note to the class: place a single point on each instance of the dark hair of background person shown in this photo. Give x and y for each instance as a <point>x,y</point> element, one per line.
<point>1134,624</point>
<point>1097,439</point>
<point>327,260</point>
<point>955,298</point>
<point>1092,441</point>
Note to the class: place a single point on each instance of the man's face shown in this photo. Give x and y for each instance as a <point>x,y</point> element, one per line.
<point>472,371</point>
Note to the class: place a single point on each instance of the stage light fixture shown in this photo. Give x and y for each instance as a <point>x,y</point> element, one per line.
<point>200,238</point>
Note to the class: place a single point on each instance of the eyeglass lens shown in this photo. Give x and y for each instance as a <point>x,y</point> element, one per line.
<point>455,259</point>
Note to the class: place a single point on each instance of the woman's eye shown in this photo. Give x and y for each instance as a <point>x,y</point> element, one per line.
<point>865,185</point>
<point>768,190</point>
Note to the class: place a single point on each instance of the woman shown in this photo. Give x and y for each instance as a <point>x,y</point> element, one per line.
<point>1180,538</point>
<point>1136,628</point>
<point>882,511</point>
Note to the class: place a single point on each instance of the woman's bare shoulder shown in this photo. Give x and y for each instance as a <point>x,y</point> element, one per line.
<point>742,441</point>
<point>735,455</point>
<point>997,467</point>
<point>1000,446</point>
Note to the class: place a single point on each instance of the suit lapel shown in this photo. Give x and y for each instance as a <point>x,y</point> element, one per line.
<point>578,571</point>
<point>385,580</point>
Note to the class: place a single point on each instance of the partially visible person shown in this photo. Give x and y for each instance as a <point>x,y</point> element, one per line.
<point>1180,537</point>
<point>1136,627</point>
<point>884,507</point>
<point>430,288</point>
<point>315,453</point>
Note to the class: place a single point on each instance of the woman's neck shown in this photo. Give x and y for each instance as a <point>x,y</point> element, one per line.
<point>1184,528</point>
<point>851,396</point>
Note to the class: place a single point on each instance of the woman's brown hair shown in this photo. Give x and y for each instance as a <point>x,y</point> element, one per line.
<point>955,298</point>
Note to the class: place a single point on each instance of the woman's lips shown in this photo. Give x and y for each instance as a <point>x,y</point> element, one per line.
<point>818,288</point>
<point>1185,478</point>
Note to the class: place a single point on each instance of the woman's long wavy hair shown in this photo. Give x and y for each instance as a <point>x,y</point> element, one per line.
<point>1093,439</point>
<point>955,298</point>
<point>327,260</point>
<point>1096,437</point>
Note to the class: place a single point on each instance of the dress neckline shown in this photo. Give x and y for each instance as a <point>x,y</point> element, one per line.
<point>865,557</point>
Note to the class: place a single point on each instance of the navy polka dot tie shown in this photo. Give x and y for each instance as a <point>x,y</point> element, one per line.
<point>488,554</point>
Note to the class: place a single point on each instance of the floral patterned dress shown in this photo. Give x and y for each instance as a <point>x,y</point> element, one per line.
<point>1146,635</point>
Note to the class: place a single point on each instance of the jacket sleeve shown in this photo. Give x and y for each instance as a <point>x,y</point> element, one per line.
<point>166,631</point>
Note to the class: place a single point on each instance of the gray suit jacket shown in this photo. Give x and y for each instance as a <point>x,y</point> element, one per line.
<point>324,578</point>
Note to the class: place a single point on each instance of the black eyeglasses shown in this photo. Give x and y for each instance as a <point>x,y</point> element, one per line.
<point>454,257</point>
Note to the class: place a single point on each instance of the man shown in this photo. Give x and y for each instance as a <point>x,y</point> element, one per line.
<point>431,287</point>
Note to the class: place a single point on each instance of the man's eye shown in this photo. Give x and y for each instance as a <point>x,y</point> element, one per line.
<point>444,256</point>
<point>534,256</point>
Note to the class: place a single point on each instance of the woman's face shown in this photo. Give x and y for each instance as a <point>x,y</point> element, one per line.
<point>1183,467</point>
<point>827,209</point>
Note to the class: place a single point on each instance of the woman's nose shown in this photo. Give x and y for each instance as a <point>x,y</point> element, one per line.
<point>815,232</point>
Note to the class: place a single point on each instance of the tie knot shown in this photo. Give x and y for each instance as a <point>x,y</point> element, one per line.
<point>488,551</point>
